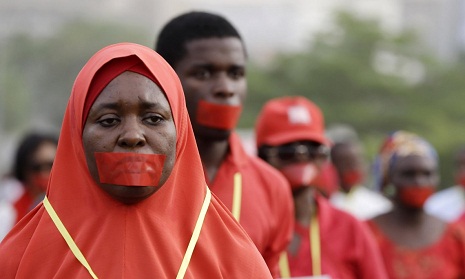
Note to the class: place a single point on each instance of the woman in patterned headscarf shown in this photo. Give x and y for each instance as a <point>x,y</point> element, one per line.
<point>414,245</point>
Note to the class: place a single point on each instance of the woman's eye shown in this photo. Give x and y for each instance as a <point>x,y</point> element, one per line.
<point>108,122</point>
<point>153,119</point>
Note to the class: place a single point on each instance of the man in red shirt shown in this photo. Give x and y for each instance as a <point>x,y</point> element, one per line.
<point>326,241</point>
<point>209,56</point>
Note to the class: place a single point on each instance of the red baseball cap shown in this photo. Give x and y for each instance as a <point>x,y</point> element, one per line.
<point>288,119</point>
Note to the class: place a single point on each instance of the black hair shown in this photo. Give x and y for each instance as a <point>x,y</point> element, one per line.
<point>172,40</point>
<point>26,149</point>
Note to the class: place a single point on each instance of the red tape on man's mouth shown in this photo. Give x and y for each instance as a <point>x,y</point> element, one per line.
<point>129,169</point>
<point>218,116</point>
<point>300,174</point>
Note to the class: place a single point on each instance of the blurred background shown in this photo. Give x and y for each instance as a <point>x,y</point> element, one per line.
<point>376,66</point>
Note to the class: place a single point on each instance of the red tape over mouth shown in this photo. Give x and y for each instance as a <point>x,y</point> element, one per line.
<point>129,169</point>
<point>300,174</point>
<point>218,116</point>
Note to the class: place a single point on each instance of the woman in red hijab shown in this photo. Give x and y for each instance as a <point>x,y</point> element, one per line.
<point>127,196</point>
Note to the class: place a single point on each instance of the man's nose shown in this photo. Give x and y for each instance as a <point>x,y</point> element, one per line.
<point>224,87</point>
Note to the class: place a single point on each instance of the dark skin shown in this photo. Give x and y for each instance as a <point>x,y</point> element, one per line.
<point>133,115</point>
<point>212,70</point>
<point>304,205</point>
<point>44,156</point>
<point>406,226</point>
<point>304,197</point>
<point>347,157</point>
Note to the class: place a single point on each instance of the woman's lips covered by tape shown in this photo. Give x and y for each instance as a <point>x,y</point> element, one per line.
<point>129,169</point>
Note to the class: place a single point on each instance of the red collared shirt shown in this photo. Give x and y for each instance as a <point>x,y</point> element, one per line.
<point>267,212</point>
<point>348,250</point>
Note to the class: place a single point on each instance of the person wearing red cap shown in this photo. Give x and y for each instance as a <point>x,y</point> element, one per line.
<point>414,244</point>
<point>127,197</point>
<point>326,241</point>
<point>209,56</point>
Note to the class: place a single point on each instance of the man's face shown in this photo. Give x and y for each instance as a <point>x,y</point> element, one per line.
<point>131,115</point>
<point>300,161</point>
<point>347,158</point>
<point>213,70</point>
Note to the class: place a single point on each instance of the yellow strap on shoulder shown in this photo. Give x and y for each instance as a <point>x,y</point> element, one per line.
<point>69,240</point>
<point>237,196</point>
<point>195,235</point>
<point>284,265</point>
<point>315,245</point>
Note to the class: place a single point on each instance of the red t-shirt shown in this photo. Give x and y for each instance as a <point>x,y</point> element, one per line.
<point>348,250</point>
<point>267,212</point>
<point>444,259</point>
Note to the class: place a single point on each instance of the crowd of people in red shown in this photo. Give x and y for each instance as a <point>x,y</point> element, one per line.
<point>148,179</point>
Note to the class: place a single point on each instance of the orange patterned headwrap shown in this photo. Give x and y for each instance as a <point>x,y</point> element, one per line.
<point>399,144</point>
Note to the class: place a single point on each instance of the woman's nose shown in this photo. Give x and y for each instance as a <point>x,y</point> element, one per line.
<point>132,135</point>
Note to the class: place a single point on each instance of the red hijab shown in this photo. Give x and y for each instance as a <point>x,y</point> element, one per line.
<point>143,240</point>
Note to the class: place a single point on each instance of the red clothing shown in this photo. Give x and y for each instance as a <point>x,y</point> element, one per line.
<point>147,239</point>
<point>445,259</point>
<point>267,211</point>
<point>23,205</point>
<point>348,250</point>
<point>460,220</point>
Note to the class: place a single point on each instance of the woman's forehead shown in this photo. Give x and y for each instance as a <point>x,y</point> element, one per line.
<point>130,87</point>
<point>414,160</point>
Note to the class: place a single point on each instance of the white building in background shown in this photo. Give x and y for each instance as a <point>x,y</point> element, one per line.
<point>270,26</point>
<point>267,26</point>
<point>277,25</point>
<point>437,23</point>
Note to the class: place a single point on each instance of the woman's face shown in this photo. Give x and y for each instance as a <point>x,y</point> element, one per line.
<point>131,115</point>
<point>416,170</point>
<point>415,178</point>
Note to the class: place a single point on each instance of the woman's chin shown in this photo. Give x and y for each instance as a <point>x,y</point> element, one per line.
<point>129,194</point>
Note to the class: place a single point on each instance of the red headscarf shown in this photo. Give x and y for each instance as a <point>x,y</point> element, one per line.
<point>143,240</point>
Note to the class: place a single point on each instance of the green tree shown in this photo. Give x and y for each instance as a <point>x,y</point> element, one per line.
<point>375,81</point>
<point>38,73</point>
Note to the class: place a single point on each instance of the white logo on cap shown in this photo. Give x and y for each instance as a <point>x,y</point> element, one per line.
<point>298,115</point>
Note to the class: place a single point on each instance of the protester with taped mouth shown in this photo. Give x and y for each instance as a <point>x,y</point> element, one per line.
<point>347,157</point>
<point>209,56</point>
<point>326,241</point>
<point>127,197</point>
<point>414,244</point>
<point>24,187</point>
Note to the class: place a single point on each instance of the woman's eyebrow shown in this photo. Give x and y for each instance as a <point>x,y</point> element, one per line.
<point>112,105</point>
<point>143,104</point>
